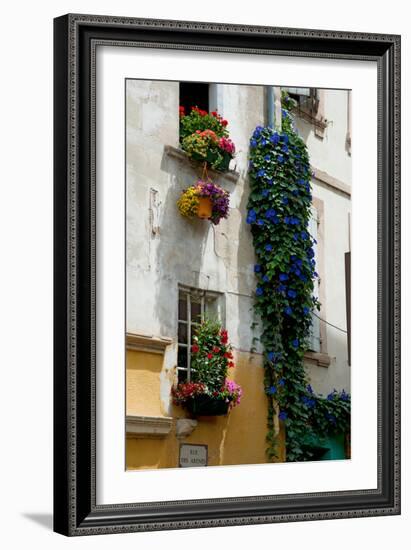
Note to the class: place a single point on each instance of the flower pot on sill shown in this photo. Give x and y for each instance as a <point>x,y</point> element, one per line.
<point>205,208</point>
<point>204,405</point>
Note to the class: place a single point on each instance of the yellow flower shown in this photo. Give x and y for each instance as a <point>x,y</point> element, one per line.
<point>188,202</point>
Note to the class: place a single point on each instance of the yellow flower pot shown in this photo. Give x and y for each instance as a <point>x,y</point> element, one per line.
<point>205,208</point>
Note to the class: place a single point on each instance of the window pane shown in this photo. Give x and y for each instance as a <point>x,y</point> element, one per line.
<point>182,307</point>
<point>212,309</point>
<point>182,333</point>
<point>195,312</point>
<point>182,357</point>
<point>182,376</point>
<point>194,329</point>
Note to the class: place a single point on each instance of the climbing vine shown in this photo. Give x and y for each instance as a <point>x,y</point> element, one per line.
<point>278,213</point>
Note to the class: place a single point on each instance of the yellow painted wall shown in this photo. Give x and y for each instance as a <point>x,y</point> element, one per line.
<point>238,438</point>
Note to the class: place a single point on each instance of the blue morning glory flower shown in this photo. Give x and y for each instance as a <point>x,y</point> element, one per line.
<point>287,220</point>
<point>281,382</point>
<point>292,293</point>
<point>257,132</point>
<point>253,142</point>
<point>252,216</point>
<point>260,222</point>
<point>280,159</point>
<point>282,415</point>
<point>284,113</point>
<point>284,149</point>
<point>309,388</point>
<point>271,214</point>
<point>288,310</point>
<point>299,262</point>
<point>284,200</point>
<point>266,278</point>
<point>295,236</point>
<point>306,310</point>
<point>275,138</point>
<point>283,277</point>
<point>257,268</point>
<point>281,288</point>
<point>263,142</point>
<point>272,390</point>
<point>259,291</point>
<point>261,173</point>
<point>265,192</point>
<point>268,247</point>
<point>330,396</point>
<point>304,235</point>
<point>267,158</point>
<point>297,271</point>
<point>295,343</point>
<point>285,138</point>
<point>294,192</point>
<point>303,277</point>
<point>310,253</point>
<point>271,355</point>
<point>344,396</point>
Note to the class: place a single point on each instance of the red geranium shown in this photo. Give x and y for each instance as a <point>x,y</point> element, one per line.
<point>181,110</point>
<point>228,355</point>
<point>224,336</point>
<point>216,349</point>
<point>209,355</point>
<point>231,365</point>
<point>195,348</point>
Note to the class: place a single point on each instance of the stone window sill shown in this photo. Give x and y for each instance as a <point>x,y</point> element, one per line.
<point>318,359</point>
<point>147,342</point>
<point>178,154</point>
<point>148,426</point>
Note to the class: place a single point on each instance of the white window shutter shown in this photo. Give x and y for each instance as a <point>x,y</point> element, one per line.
<point>314,336</point>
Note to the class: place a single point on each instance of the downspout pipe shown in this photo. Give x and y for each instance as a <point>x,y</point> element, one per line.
<point>269,93</point>
<point>273,102</point>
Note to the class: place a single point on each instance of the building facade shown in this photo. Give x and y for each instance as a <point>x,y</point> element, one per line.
<point>179,270</point>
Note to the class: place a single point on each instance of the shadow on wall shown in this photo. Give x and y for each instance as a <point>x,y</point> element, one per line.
<point>180,247</point>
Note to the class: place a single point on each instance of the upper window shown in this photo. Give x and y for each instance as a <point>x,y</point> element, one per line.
<point>194,94</point>
<point>194,305</point>
<point>309,105</point>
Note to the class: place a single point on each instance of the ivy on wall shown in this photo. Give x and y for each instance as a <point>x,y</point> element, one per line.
<point>278,213</point>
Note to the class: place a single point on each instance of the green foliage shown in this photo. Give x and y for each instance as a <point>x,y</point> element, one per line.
<point>211,355</point>
<point>201,120</point>
<point>278,213</point>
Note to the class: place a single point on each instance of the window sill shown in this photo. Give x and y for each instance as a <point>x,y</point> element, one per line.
<point>318,359</point>
<point>143,342</point>
<point>178,154</point>
<point>148,426</point>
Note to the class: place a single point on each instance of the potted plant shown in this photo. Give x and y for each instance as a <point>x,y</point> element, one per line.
<point>210,392</point>
<point>204,137</point>
<point>205,200</point>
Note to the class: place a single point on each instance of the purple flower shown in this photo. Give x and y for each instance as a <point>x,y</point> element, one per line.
<point>271,214</point>
<point>288,310</point>
<point>280,159</point>
<point>281,288</point>
<point>306,310</point>
<point>272,390</point>
<point>257,268</point>
<point>260,222</point>
<point>281,382</point>
<point>295,343</point>
<point>283,415</point>
<point>266,278</point>
<point>264,193</point>
<point>284,200</point>
<point>292,293</point>
<point>268,247</point>
<point>275,138</point>
<point>283,277</point>
<point>253,142</point>
<point>261,173</point>
<point>259,291</point>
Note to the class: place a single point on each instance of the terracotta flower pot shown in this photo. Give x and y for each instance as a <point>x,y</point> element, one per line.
<point>205,208</point>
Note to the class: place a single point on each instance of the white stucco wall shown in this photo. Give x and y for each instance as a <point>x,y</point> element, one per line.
<point>164,249</point>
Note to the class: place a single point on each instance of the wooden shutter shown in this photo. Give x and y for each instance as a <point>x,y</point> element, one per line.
<point>314,337</point>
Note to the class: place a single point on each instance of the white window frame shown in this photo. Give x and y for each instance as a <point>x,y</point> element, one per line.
<point>201,296</point>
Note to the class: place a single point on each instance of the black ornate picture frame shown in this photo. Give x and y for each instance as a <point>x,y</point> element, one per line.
<point>75,41</point>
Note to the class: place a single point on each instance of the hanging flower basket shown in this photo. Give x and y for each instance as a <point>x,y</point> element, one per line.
<point>205,200</point>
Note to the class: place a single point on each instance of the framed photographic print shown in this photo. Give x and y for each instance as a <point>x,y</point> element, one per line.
<point>227,280</point>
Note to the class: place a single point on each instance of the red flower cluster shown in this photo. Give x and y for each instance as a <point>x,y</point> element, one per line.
<point>182,111</point>
<point>220,118</point>
<point>201,112</point>
<point>186,390</point>
<point>224,336</point>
